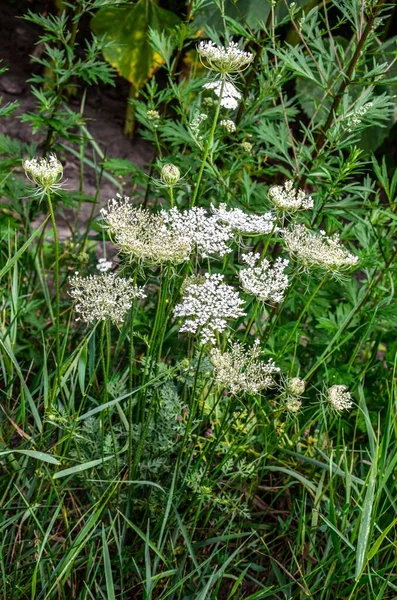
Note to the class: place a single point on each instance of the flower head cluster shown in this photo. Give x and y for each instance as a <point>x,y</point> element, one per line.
<point>230,94</point>
<point>46,173</point>
<point>196,124</point>
<point>229,59</point>
<point>153,116</point>
<point>228,124</point>
<point>291,393</point>
<point>244,223</point>
<point>101,297</point>
<point>104,265</point>
<point>207,234</point>
<point>247,147</point>
<point>339,398</point>
<point>206,306</point>
<point>355,118</point>
<point>317,250</point>
<point>240,370</point>
<point>144,236</point>
<point>265,281</point>
<point>286,199</point>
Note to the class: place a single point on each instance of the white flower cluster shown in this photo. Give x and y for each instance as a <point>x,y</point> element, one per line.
<point>265,281</point>
<point>101,297</point>
<point>207,234</point>
<point>196,124</point>
<point>317,250</point>
<point>230,94</point>
<point>247,147</point>
<point>339,398</point>
<point>144,236</point>
<point>229,59</point>
<point>104,265</point>
<point>286,199</point>
<point>206,305</point>
<point>228,124</point>
<point>355,119</point>
<point>154,117</point>
<point>244,223</point>
<point>291,394</point>
<point>240,370</point>
<point>44,172</point>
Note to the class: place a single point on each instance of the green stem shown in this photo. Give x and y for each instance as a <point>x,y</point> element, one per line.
<point>209,141</point>
<point>305,309</point>
<point>56,284</point>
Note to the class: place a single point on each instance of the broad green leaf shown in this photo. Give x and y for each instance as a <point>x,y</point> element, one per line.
<point>126,30</point>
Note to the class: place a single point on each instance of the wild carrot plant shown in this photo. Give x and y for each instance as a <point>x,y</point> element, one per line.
<point>207,409</point>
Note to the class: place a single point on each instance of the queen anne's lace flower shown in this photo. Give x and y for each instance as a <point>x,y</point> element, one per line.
<point>228,124</point>
<point>339,398</point>
<point>46,173</point>
<point>209,235</point>
<point>145,236</point>
<point>229,59</point>
<point>206,306</point>
<point>265,281</point>
<point>244,223</point>
<point>104,265</point>
<point>317,250</point>
<point>240,370</point>
<point>230,94</point>
<point>101,297</point>
<point>286,199</point>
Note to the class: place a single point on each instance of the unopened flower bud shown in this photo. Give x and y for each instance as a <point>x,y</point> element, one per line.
<point>170,174</point>
<point>293,405</point>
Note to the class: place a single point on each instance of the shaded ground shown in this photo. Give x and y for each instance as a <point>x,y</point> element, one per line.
<point>104,108</point>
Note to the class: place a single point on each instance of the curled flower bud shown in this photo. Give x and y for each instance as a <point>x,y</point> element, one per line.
<point>170,174</point>
<point>293,405</point>
<point>295,386</point>
<point>46,173</point>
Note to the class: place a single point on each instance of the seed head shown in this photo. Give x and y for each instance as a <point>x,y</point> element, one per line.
<point>101,297</point>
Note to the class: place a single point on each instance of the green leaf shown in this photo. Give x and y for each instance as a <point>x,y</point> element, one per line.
<point>126,30</point>
<point>366,518</point>
<point>34,454</point>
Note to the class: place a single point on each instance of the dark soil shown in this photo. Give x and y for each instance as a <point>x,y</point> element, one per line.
<point>104,108</point>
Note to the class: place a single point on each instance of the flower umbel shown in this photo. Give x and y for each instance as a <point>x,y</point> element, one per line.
<point>265,281</point>
<point>286,199</point>
<point>230,94</point>
<point>209,235</point>
<point>144,236</point>
<point>317,250</point>
<point>46,173</point>
<point>339,398</point>
<point>206,305</point>
<point>228,124</point>
<point>229,59</point>
<point>244,223</point>
<point>240,370</point>
<point>101,297</point>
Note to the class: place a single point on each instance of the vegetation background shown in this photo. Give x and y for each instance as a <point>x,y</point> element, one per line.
<point>127,468</point>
